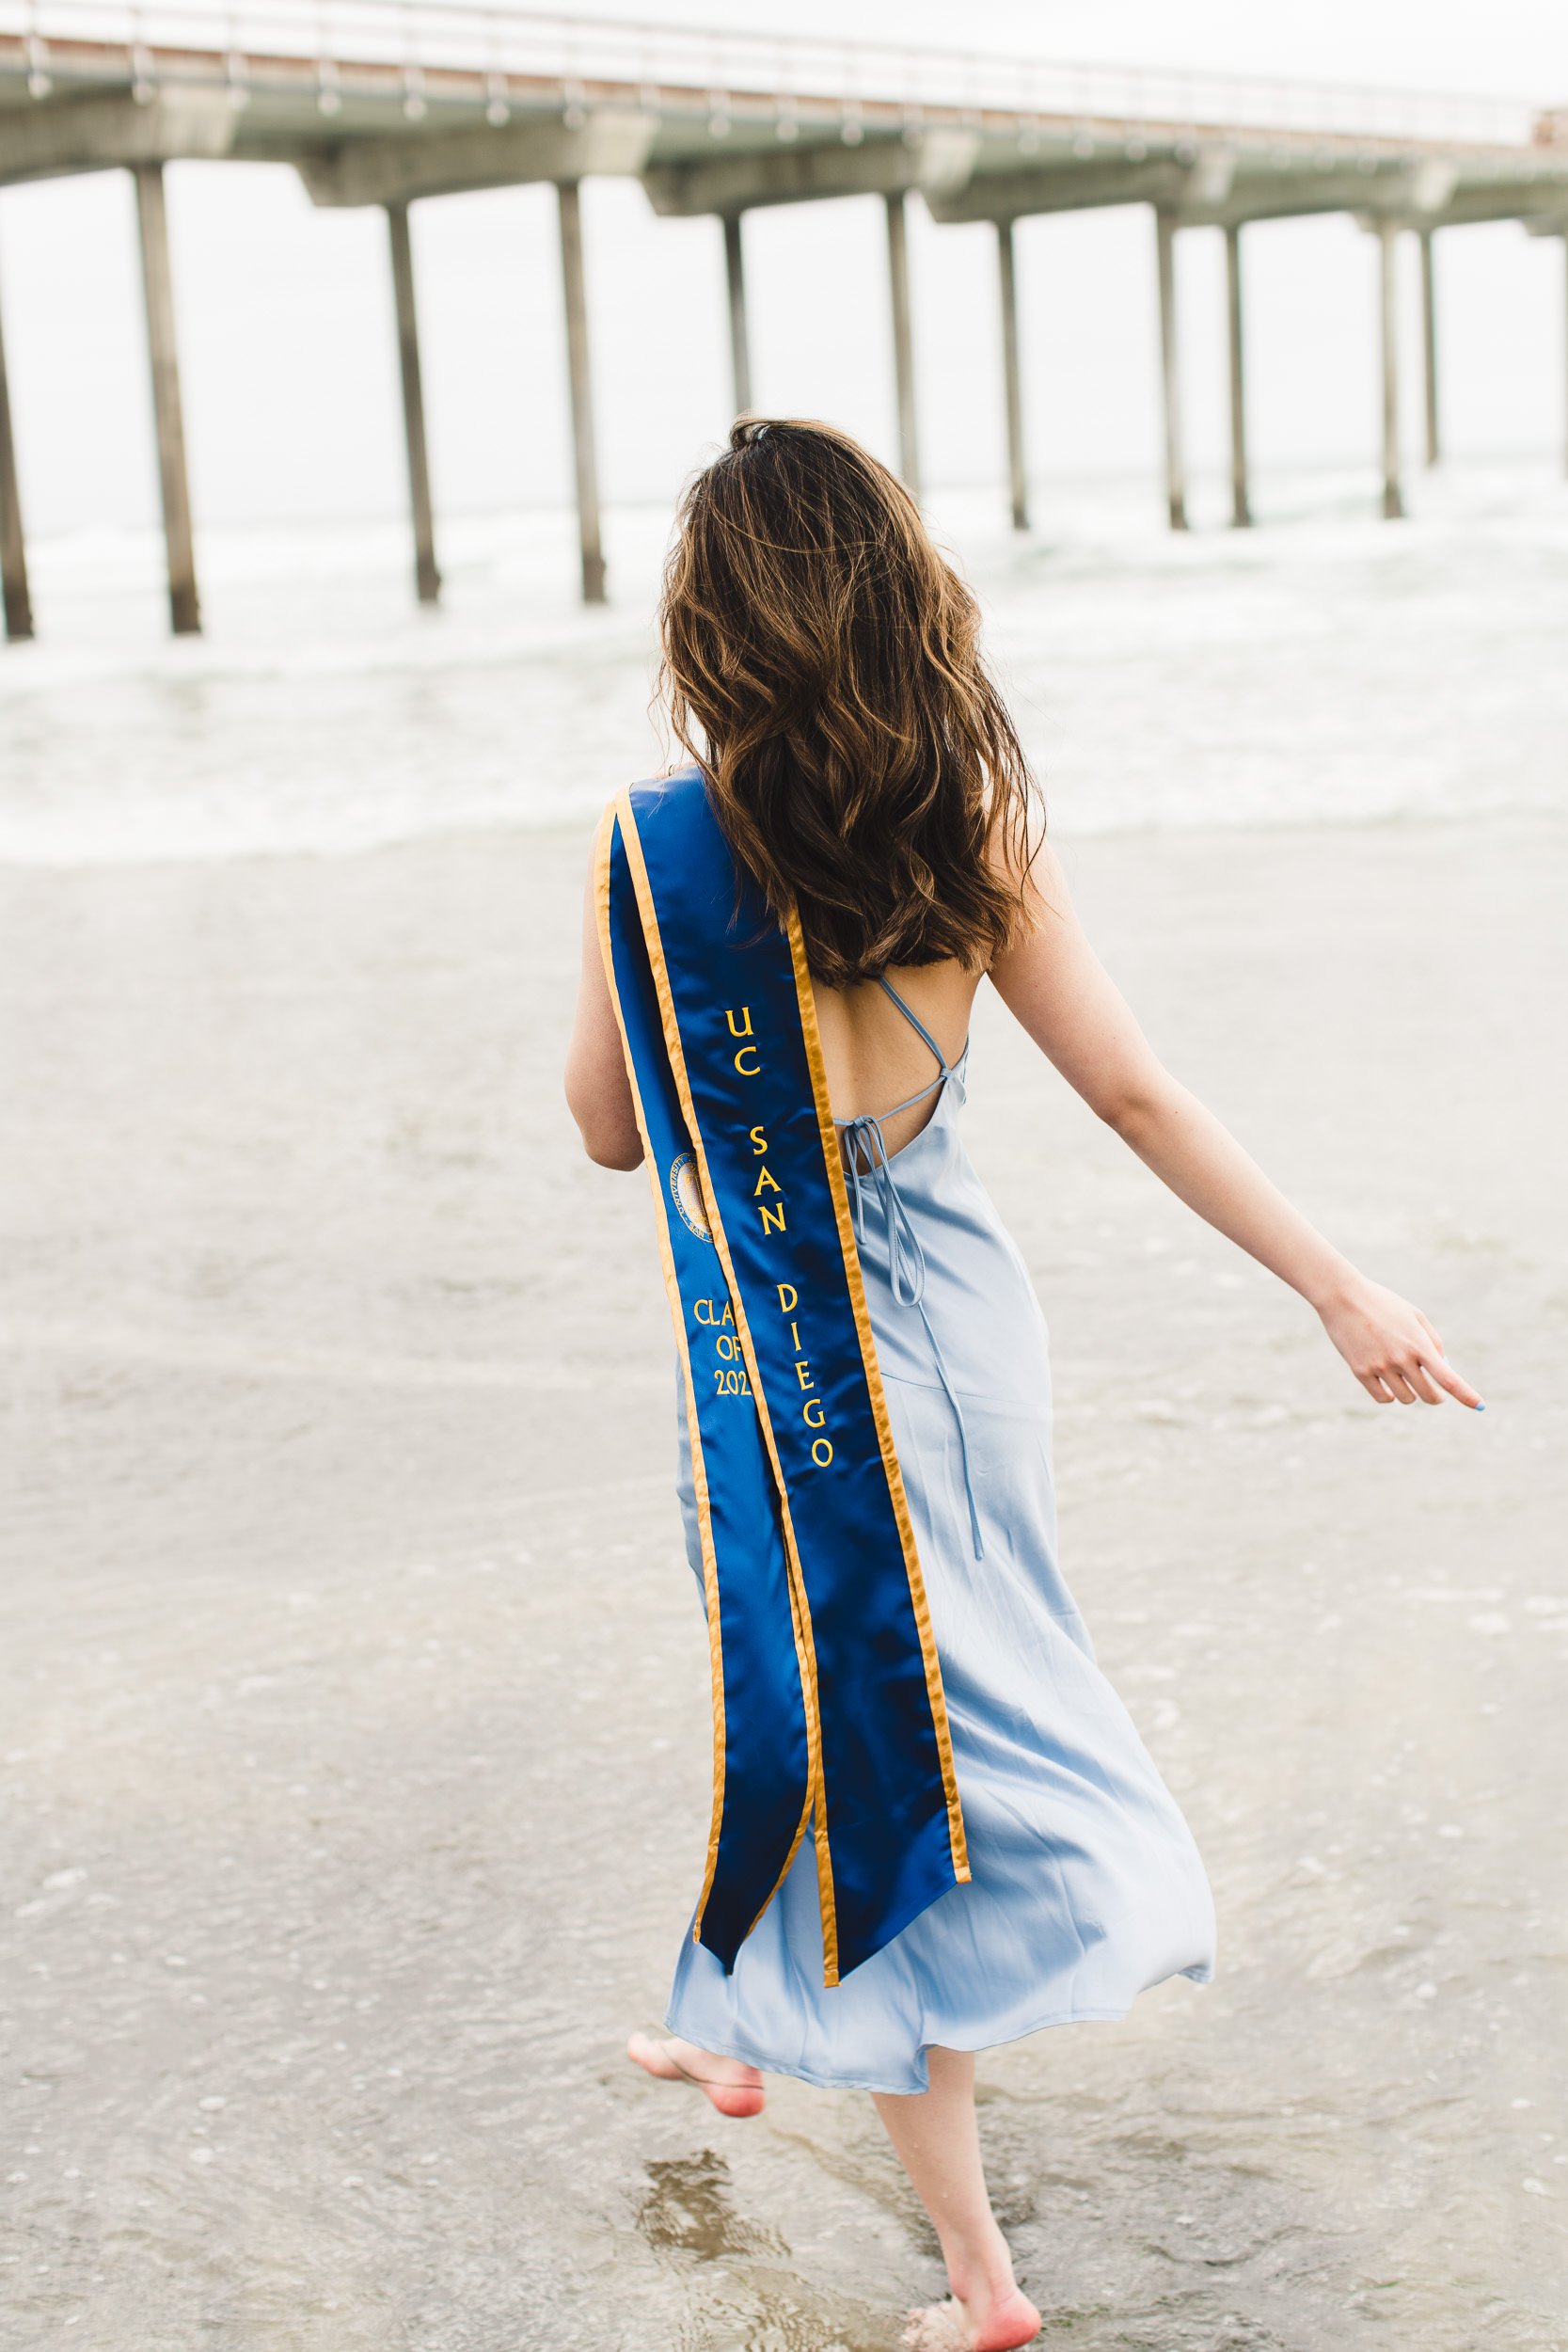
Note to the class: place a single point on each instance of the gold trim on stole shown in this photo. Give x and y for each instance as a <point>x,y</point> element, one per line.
<point>832,1154</point>
<point>800,1606</point>
<point>677,1315</point>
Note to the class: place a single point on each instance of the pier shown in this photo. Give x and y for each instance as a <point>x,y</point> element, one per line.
<point>391,102</point>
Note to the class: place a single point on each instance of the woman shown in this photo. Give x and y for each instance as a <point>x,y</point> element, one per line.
<point>1019,1862</point>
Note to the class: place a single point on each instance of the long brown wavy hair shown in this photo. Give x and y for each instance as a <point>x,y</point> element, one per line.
<point>822,665</point>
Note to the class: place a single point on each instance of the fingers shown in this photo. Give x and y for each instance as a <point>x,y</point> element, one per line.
<point>1461,1390</point>
<point>1395,1353</point>
<point>1418,1381</point>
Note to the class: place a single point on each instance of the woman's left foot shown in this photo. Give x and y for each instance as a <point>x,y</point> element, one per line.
<point>984,2323</point>
<point>735,2088</point>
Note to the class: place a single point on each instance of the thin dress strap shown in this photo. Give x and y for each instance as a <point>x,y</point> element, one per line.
<point>945,1069</point>
<point>918,1026</point>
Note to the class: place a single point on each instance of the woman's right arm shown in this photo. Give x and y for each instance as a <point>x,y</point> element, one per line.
<point>598,1091</point>
<point>1057,987</point>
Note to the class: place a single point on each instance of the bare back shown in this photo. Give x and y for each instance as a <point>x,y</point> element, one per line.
<point>874,1060</point>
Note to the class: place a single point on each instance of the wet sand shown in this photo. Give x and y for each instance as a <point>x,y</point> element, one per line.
<point>355,1696</point>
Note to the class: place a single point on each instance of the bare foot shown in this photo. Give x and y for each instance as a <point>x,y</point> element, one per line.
<point>982,2324</point>
<point>735,2088</point>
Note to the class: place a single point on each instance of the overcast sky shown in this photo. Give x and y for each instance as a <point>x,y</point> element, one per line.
<point>286,331</point>
<point>1509,48</point>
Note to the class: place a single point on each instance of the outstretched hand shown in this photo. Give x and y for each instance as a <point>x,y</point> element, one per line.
<point>1392,1348</point>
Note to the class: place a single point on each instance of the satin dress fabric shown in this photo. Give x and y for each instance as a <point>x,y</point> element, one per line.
<point>1087,1886</point>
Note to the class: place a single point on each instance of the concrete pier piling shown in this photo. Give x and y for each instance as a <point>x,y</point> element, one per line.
<point>583,453</point>
<point>1241,499</point>
<point>903,341</point>
<point>185,607</point>
<point>427,579</point>
<point>1428,347</point>
<point>740,346</point>
<point>1388,312</point>
<point>1018,472</point>
<point>14,594</point>
<point>718,126</point>
<point>1170,369</point>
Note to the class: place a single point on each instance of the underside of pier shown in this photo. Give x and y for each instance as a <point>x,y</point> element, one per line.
<point>364,131</point>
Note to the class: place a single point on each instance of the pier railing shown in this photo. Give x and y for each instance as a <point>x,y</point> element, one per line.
<point>346,40</point>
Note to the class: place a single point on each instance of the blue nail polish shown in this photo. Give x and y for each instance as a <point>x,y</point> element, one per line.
<point>1480,1409</point>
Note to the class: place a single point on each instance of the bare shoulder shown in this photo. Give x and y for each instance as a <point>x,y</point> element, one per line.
<point>1028,862</point>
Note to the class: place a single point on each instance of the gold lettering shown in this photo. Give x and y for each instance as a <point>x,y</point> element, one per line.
<point>794,1335</point>
<point>697,1314</point>
<point>740,1062</point>
<point>821,1452</point>
<point>759,1143</point>
<point>787,1306</point>
<point>765,1181</point>
<point>726,1317</point>
<point>746,1011</point>
<point>772,1219</point>
<point>726,1348</point>
<point>812,1413</point>
<point>802,1373</point>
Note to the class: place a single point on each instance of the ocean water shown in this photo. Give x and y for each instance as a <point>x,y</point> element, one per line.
<point>1327,667</point>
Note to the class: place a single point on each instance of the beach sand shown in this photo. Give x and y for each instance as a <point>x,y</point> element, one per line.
<point>355,1692</point>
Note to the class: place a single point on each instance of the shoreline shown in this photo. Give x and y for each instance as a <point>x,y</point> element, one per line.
<point>1345,670</point>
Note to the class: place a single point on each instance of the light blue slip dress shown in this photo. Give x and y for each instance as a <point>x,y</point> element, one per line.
<point>1086,1886</point>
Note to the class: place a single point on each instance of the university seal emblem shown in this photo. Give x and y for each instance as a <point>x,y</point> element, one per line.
<point>687,1193</point>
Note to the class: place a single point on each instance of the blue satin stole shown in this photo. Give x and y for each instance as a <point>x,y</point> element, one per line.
<point>827,1708</point>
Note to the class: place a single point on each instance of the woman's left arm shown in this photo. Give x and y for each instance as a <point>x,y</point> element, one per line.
<point>598,1091</point>
<point>1056,986</point>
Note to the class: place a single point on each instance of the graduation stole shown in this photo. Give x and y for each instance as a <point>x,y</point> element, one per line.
<point>828,1707</point>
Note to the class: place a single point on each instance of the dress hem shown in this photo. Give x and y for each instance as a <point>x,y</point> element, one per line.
<point>1200,1975</point>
